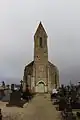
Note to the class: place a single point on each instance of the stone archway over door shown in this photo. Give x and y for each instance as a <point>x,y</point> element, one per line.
<point>41,87</point>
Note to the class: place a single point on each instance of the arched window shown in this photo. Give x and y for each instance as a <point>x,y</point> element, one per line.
<point>55,80</point>
<point>40,42</point>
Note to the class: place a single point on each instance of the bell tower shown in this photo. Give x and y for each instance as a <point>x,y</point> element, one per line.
<point>41,56</point>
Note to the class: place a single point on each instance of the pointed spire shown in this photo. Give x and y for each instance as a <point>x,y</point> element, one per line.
<point>40,28</point>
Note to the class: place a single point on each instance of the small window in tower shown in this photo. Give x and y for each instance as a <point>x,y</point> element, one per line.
<point>41,42</point>
<point>45,42</point>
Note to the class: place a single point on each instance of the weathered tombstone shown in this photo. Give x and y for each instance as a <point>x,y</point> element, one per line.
<point>21,86</point>
<point>12,87</point>
<point>62,104</point>
<point>1,93</point>
<point>15,99</point>
<point>8,87</point>
<point>6,98</point>
<point>3,84</point>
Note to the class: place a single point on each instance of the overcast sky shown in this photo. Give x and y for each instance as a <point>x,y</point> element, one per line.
<point>18,22</point>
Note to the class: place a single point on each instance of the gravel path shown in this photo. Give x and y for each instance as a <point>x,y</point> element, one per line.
<point>40,108</point>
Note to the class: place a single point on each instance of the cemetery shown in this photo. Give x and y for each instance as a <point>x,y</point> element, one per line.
<point>67,100</point>
<point>14,97</point>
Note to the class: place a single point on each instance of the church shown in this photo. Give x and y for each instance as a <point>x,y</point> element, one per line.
<point>40,75</point>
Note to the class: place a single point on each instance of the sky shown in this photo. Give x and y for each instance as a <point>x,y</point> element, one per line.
<point>18,22</point>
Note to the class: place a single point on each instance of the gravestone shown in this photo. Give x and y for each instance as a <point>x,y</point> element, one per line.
<point>6,98</point>
<point>1,94</point>
<point>15,99</point>
<point>62,103</point>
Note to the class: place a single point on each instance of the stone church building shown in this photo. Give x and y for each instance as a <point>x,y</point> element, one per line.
<point>41,76</point>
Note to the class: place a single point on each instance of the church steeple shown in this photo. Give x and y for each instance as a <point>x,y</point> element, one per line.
<point>40,45</point>
<point>40,55</point>
<point>40,30</point>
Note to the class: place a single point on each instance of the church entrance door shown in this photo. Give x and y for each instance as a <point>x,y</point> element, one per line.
<point>41,87</point>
